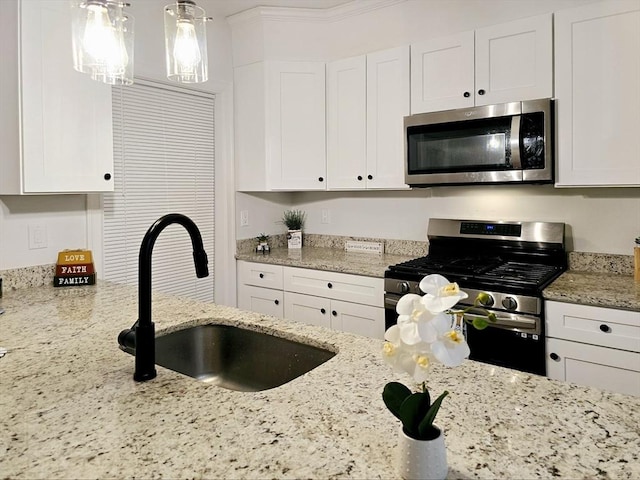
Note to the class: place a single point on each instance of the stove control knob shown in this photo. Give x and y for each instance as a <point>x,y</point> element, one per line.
<point>509,303</point>
<point>404,287</point>
<point>485,299</point>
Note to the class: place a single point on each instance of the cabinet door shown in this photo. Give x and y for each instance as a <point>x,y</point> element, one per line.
<point>387,105</point>
<point>514,61</point>
<point>359,319</point>
<point>597,72</point>
<point>606,368</point>
<point>442,75</point>
<point>295,125</point>
<point>67,136</point>
<point>346,120</point>
<point>307,309</point>
<point>262,300</point>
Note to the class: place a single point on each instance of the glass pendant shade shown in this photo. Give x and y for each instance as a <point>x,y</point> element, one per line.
<point>102,41</point>
<point>185,42</point>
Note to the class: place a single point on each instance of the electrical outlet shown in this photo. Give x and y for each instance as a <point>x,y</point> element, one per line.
<point>37,236</point>
<point>244,218</point>
<point>325,216</point>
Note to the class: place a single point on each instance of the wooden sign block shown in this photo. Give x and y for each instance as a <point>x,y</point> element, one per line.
<point>76,269</point>
<point>73,257</point>
<point>74,280</point>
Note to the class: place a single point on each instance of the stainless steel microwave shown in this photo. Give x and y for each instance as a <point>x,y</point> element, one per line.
<point>505,143</point>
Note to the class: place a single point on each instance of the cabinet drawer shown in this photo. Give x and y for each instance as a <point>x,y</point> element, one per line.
<point>594,325</point>
<point>338,286</point>
<point>307,309</point>
<point>606,368</point>
<point>260,274</point>
<point>261,300</point>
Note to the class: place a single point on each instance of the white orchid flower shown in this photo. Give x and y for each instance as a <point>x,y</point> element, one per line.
<point>441,294</point>
<point>416,323</point>
<point>414,360</point>
<point>451,349</point>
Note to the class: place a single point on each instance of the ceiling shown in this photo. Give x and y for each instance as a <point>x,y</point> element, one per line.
<point>224,8</point>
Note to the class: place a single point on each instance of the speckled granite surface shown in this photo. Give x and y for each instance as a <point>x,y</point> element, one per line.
<point>70,408</point>
<point>332,259</point>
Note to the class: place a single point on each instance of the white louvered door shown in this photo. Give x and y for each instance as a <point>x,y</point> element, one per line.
<point>164,163</point>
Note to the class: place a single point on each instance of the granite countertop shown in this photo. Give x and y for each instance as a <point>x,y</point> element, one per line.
<point>70,408</point>
<point>331,259</point>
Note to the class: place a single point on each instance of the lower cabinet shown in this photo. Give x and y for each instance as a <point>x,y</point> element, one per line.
<point>335,314</point>
<point>340,301</point>
<point>594,346</point>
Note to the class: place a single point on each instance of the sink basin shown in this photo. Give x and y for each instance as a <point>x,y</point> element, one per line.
<point>237,358</point>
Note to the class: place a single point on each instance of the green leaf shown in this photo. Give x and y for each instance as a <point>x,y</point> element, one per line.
<point>393,395</point>
<point>426,430</point>
<point>480,323</point>
<point>413,410</point>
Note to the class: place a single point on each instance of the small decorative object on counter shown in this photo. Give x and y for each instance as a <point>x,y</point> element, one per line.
<point>74,268</point>
<point>428,331</point>
<point>263,244</point>
<point>636,260</point>
<point>294,221</point>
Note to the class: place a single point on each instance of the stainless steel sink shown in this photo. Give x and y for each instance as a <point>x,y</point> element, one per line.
<point>237,358</point>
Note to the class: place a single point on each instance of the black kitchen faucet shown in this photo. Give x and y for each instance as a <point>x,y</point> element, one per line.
<point>142,333</point>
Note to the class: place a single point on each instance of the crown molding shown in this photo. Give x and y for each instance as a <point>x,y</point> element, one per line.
<point>294,14</point>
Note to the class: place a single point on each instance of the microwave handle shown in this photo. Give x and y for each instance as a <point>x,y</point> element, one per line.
<point>515,142</point>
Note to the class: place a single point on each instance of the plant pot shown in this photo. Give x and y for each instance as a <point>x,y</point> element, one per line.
<point>294,238</point>
<point>421,459</point>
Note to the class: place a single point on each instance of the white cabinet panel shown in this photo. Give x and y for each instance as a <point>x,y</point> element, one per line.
<point>262,300</point>
<point>360,319</point>
<point>308,309</point>
<point>497,64</point>
<point>597,73</point>
<point>260,274</point>
<point>66,135</point>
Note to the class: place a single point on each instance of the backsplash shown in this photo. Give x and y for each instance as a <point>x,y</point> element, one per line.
<point>601,263</point>
<point>35,276</point>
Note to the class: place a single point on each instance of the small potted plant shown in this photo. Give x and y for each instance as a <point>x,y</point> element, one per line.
<point>294,221</point>
<point>263,243</point>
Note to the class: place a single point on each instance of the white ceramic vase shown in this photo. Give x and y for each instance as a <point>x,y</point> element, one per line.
<point>421,459</point>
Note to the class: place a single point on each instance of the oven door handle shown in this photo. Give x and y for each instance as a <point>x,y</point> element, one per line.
<point>391,301</point>
<point>513,321</point>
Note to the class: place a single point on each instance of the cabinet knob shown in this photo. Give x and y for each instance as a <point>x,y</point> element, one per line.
<point>330,285</point>
<point>323,311</point>
<point>107,176</point>
<point>261,275</point>
<point>320,179</point>
<point>359,177</point>
<point>466,94</point>
<point>605,328</point>
<point>277,302</point>
<point>481,92</point>
<point>554,356</point>
<point>334,313</point>
<point>370,177</point>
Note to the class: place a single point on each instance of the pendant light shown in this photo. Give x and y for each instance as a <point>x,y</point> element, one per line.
<point>185,39</point>
<point>102,40</point>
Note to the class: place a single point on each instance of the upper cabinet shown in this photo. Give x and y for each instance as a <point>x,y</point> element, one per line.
<point>280,126</point>
<point>367,98</point>
<point>597,84</point>
<point>56,127</point>
<point>502,63</point>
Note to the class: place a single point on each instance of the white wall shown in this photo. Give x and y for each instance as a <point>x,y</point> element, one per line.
<point>64,217</point>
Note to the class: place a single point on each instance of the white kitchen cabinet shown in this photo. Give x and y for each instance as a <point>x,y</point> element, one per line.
<point>597,78</point>
<point>367,99</point>
<point>501,63</point>
<point>280,131</point>
<point>594,346</point>
<point>335,314</point>
<point>56,125</point>
<point>260,288</point>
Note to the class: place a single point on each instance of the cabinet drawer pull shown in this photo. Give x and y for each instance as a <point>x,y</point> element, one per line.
<point>261,275</point>
<point>323,311</point>
<point>369,177</point>
<point>107,176</point>
<point>466,94</point>
<point>320,179</point>
<point>605,328</point>
<point>277,302</point>
<point>481,92</point>
<point>554,356</point>
<point>359,177</point>
<point>329,285</point>
<point>334,313</point>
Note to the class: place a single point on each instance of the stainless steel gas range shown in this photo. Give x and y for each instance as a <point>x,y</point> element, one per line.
<point>510,261</point>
